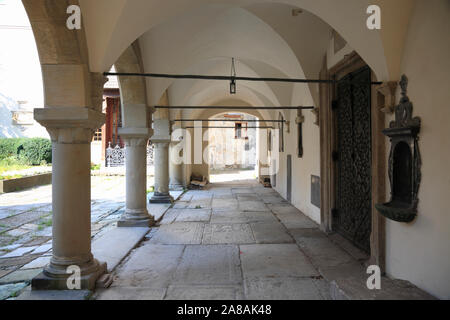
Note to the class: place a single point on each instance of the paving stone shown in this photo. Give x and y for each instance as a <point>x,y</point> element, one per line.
<point>170,216</point>
<point>209,265</point>
<point>193,215</point>
<point>10,247</point>
<point>37,241</point>
<point>150,266</point>
<point>270,199</point>
<point>348,247</point>
<point>200,204</point>
<point>157,210</point>
<point>115,244</point>
<point>323,252</point>
<point>307,233</point>
<point>5,272</point>
<point>228,216</point>
<point>19,252</point>
<point>252,206</point>
<point>179,233</point>
<point>22,218</point>
<point>260,216</point>
<point>202,292</point>
<point>18,232</point>
<point>130,293</point>
<point>20,276</point>
<point>241,190</point>
<point>247,197</point>
<point>180,205</point>
<point>270,232</point>
<point>18,261</point>
<point>224,204</point>
<point>40,262</point>
<point>46,232</point>
<point>54,295</point>
<point>275,260</point>
<point>228,234</point>
<point>42,249</point>
<point>296,220</point>
<point>30,226</point>
<point>8,289</point>
<point>283,209</point>
<point>282,289</point>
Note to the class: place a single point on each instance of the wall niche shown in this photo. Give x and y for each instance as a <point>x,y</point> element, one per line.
<point>404,161</point>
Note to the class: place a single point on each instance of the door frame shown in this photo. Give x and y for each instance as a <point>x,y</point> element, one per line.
<point>382,97</point>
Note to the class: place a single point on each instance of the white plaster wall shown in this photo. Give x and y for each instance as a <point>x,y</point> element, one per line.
<point>420,251</point>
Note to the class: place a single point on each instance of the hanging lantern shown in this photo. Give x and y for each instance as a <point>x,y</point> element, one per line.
<point>233,78</point>
<point>233,86</point>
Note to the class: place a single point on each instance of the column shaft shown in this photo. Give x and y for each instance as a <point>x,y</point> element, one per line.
<point>161,194</point>
<point>136,214</point>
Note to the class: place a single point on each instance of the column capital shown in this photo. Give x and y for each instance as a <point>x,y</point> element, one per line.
<point>135,136</point>
<point>69,124</point>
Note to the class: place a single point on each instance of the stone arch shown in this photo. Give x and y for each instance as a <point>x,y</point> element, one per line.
<point>132,89</point>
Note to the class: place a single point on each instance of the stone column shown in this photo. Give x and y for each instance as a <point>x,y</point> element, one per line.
<point>176,160</point>
<point>161,140</point>
<point>161,153</point>
<point>71,130</point>
<point>136,214</point>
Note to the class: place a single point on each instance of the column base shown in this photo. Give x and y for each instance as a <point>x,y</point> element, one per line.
<point>50,281</point>
<point>135,218</point>
<point>161,198</point>
<point>176,187</point>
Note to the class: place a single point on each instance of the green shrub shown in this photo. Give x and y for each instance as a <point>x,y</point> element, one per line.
<point>11,147</point>
<point>37,150</point>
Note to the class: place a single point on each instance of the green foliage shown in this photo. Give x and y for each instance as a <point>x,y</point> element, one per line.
<point>10,148</point>
<point>25,151</point>
<point>95,166</point>
<point>37,150</point>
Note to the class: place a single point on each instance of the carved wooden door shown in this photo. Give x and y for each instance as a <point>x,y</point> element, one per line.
<point>352,215</point>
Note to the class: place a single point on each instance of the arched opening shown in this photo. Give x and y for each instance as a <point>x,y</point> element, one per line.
<point>233,147</point>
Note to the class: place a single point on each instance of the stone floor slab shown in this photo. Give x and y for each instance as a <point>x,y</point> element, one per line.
<point>20,276</point>
<point>150,266</point>
<point>130,293</point>
<point>224,204</point>
<point>209,265</point>
<point>179,233</point>
<point>193,215</point>
<point>115,244</point>
<point>323,252</point>
<point>296,220</point>
<point>282,289</point>
<point>204,293</point>
<point>252,206</point>
<point>19,252</point>
<point>55,295</point>
<point>40,262</point>
<point>228,216</point>
<point>228,234</point>
<point>10,289</point>
<point>271,232</point>
<point>275,260</point>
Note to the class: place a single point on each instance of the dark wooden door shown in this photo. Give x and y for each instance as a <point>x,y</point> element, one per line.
<point>352,215</point>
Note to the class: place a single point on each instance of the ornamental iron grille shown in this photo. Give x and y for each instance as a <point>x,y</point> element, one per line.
<point>115,157</point>
<point>352,216</point>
